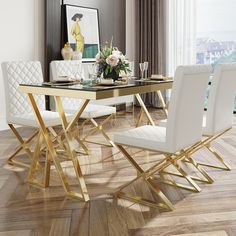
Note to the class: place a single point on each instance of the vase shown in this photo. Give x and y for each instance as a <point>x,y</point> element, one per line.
<point>111,75</point>
<point>67,52</point>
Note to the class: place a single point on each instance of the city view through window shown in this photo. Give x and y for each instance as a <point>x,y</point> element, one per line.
<point>216,32</point>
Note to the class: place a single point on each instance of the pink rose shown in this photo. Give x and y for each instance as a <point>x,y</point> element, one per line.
<point>112,60</point>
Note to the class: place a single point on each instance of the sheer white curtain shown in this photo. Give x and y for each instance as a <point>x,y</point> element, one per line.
<point>181,33</point>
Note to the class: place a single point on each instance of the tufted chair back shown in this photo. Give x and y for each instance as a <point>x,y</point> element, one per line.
<point>65,68</point>
<point>219,116</point>
<point>184,124</point>
<point>15,73</point>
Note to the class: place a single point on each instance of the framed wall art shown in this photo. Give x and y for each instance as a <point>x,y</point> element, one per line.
<point>83,31</point>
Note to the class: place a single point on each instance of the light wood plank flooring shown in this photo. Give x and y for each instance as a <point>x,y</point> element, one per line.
<point>26,210</point>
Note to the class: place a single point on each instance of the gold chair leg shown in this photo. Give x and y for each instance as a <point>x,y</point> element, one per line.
<point>23,146</point>
<point>99,128</point>
<point>200,169</point>
<point>206,143</point>
<point>194,188</point>
<point>156,190</point>
<point>219,158</point>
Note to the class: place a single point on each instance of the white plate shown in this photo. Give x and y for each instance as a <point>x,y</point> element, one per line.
<point>107,81</point>
<point>62,79</point>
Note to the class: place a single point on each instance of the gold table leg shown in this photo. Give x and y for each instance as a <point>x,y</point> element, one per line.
<point>70,141</point>
<point>144,109</point>
<point>163,104</point>
<point>35,159</point>
<point>52,150</point>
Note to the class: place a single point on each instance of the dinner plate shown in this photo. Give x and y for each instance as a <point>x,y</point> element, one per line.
<point>62,79</point>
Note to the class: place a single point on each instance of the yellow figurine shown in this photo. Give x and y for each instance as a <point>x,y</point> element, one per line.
<point>76,33</point>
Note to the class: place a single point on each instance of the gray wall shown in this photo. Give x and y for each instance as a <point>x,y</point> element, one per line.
<point>111,19</point>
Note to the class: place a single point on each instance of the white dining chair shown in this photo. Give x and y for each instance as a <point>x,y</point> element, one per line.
<point>91,112</point>
<point>218,118</point>
<point>18,109</point>
<point>182,133</point>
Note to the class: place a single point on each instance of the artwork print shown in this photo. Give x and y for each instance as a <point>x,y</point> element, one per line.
<point>83,31</point>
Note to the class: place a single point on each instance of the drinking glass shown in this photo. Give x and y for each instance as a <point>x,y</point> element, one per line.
<point>141,66</point>
<point>92,72</point>
<point>146,69</point>
<point>77,71</point>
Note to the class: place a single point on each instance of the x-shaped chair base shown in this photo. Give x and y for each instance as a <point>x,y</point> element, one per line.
<point>149,175</point>
<point>24,146</point>
<point>166,204</point>
<point>207,144</point>
<point>98,128</point>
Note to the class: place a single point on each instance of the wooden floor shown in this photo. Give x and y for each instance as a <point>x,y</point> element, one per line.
<point>28,211</point>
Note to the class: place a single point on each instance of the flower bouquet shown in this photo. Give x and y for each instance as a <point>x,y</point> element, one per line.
<point>111,62</point>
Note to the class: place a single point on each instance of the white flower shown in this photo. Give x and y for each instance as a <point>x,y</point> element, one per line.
<point>116,53</point>
<point>98,57</point>
<point>122,58</point>
<point>112,60</point>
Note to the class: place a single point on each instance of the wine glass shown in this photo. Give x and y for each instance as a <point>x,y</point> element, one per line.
<point>92,71</point>
<point>141,66</point>
<point>74,71</point>
<point>146,69</point>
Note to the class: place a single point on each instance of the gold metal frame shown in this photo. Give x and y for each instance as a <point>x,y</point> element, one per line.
<point>207,144</point>
<point>52,154</point>
<point>149,175</point>
<point>143,109</point>
<point>99,128</point>
<point>23,146</point>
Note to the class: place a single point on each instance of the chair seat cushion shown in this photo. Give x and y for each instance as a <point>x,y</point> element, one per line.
<point>144,137</point>
<point>28,119</point>
<point>94,111</point>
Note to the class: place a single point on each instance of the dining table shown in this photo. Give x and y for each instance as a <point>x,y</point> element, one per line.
<point>85,92</point>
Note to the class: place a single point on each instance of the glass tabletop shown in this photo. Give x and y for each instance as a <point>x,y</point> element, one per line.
<point>97,87</point>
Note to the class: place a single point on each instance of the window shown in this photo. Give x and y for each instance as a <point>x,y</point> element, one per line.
<point>216,31</point>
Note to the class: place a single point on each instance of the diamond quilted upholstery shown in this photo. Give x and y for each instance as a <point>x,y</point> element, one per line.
<point>50,119</point>
<point>15,73</point>
<point>65,68</point>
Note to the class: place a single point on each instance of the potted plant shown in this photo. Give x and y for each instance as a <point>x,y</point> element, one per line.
<point>110,63</point>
